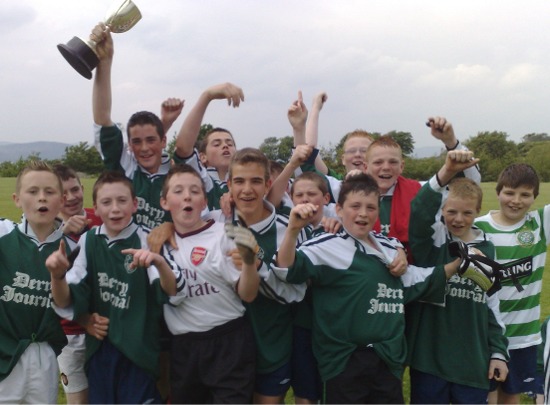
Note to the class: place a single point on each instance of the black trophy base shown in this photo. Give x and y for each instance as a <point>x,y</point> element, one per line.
<point>80,56</point>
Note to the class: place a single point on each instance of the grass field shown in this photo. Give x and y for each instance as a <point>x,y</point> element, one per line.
<point>8,210</point>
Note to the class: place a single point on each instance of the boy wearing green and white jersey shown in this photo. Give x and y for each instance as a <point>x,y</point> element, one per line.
<point>358,306</point>
<point>454,348</point>
<point>115,278</point>
<point>31,336</point>
<point>519,234</point>
<point>142,159</point>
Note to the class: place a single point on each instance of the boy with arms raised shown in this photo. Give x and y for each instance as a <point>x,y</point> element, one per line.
<point>212,355</point>
<point>76,221</point>
<point>385,164</point>
<point>31,336</point>
<point>358,306</point>
<point>141,159</point>
<point>457,348</point>
<point>213,157</point>
<point>116,278</point>
<point>523,235</point>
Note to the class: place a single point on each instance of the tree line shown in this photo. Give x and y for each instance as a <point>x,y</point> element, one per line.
<point>494,149</point>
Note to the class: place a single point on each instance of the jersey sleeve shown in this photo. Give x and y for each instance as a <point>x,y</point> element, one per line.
<point>425,283</point>
<point>114,152</point>
<point>427,233</point>
<point>472,172</point>
<point>77,280</point>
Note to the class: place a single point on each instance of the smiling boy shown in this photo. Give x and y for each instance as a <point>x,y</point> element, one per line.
<point>142,159</point>
<point>212,356</point>
<point>519,233</point>
<point>358,306</point>
<point>114,277</point>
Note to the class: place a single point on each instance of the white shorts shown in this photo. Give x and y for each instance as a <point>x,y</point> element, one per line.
<point>34,379</point>
<point>71,364</point>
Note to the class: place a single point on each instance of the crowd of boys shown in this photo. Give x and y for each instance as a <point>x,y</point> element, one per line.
<point>331,286</point>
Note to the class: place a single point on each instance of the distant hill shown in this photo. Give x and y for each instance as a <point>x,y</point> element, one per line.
<point>48,150</point>
<point>54,150</point>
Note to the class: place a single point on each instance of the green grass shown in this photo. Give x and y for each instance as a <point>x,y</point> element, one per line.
<point>9,210</point>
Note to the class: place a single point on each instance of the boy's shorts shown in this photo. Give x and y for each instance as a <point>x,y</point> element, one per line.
<point>522,372</point>
<point>71,364</point>
<point>274,383</point>
<point>34,379</point>
<point>306,381</point>
<point>366,379</point>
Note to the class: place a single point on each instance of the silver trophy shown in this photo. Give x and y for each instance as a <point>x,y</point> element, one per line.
<point>82,55</point>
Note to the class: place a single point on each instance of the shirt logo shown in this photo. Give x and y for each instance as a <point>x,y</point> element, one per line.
<point>197,255</point>
<point>525,238</point>
<point>128,264</point>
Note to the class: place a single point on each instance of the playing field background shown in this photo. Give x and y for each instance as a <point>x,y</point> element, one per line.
<point>9,210</point>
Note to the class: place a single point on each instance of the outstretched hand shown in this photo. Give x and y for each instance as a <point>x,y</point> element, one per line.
<point>229,91</point>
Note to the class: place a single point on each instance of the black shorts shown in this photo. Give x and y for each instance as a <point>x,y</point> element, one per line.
<point>216,366</point>
<point>365,380</point>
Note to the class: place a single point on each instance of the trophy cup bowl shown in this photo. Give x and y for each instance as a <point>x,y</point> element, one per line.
<point>81,55</point>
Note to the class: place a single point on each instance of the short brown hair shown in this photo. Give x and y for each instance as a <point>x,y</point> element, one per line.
<point>204,143</point>
<point>36,166</point>
<point>250,155</point>
<point>519,174</point>
<point>467,189</point>
<point>180,168</point>
<point>385,141</point>
<point>316,178</point>
<point>110,177</point>
<point>359,183</point>
<point>65,172</point>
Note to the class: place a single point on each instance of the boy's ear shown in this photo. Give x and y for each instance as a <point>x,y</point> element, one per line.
<point>135,205</point>
<point>203,159</point>
<point>338,210</point>
<point>326,197</point>
<point>15,198</point>
<point>163,203</point>
<point>267,185</point>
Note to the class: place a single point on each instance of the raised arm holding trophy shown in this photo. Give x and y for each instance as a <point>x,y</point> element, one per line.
<point>82,55</point>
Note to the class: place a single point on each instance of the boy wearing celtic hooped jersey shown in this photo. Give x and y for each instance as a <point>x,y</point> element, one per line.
<point>523,235</point>
<point>454,348</point>
<point>31,336</point>
<point>115,278</point>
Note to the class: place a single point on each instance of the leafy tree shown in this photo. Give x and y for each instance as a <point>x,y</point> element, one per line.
<point>83,158</point>
<point>171,146</point>
<point>405,140</point>
<point>495,152</point>
<point>538,158</point>
<point>422,168</point>
<point>277,148</point>
<point>536,137</point>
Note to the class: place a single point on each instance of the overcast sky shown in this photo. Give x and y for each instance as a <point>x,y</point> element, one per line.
<point>386,65</point>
